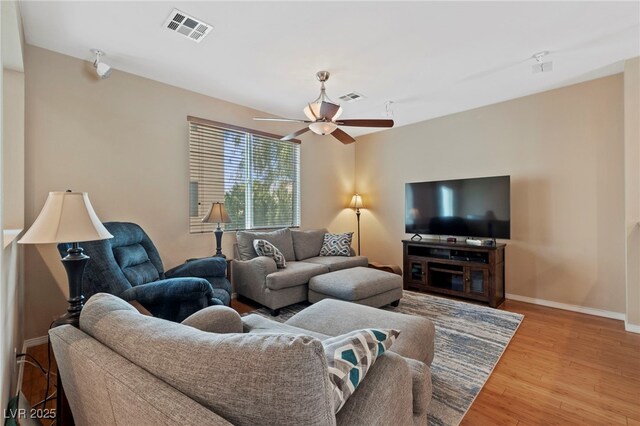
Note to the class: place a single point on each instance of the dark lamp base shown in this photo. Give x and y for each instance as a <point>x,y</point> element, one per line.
<point>67,319</point>
<point>218,232</point>
<point>74,263</point>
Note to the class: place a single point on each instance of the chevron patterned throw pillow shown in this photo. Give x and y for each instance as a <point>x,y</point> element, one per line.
<point>265,248</point>
<point>350,356</point>
<point>336,244</point>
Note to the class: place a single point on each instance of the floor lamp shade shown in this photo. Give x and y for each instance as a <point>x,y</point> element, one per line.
<point>217,214</point>
<point>356,202</point>
<point>67,217</point>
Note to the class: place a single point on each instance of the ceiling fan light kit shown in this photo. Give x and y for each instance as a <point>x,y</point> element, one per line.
<point>313,110</point>
<point>323,127</point>
<point>323,117</point>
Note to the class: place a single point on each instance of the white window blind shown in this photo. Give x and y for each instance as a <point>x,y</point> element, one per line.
<point>256,175</point>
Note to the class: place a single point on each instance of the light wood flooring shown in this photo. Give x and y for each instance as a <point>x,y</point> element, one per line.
<point>560,368</point>
<point>563,368</point>
<point>34,382</point>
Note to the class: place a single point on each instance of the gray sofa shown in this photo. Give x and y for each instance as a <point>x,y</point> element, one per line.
<point>257,277</point>
<point>123,368</point>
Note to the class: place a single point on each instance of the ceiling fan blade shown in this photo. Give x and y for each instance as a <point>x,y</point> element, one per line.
<point>342,136</point>
<point>295,134</point>
<point>328,110</point>
<point>366,123</point>
<point>292,120</point>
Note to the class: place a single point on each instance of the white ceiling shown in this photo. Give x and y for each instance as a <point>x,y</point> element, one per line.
<point>430,58</point>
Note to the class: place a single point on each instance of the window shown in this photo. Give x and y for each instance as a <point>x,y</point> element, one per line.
<point>255,174</point>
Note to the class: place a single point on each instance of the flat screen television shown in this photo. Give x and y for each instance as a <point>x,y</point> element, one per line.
<point>479,207</point>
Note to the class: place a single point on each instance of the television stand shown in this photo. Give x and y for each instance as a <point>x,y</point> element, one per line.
<point>455,269</point>
<point>416,237</point>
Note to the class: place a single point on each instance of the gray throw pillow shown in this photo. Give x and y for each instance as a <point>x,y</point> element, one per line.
<point>350,356</point>
<point>280,238</point>
<point>265,248</point>
<point>307,244</point>
<point>336,244</point>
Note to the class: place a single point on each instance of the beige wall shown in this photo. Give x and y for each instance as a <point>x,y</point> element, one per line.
<point>564,152</point>
<point>12,165</point>
<point>11,196</point>
<point>13,150</point>
<point>124,141</point>
<point>11,315</point>
<point>632,189</point>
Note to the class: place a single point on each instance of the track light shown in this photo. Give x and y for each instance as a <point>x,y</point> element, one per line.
<point>103,70</point>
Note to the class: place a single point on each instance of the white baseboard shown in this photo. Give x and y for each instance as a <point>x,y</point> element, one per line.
<point>568,307</point>
<point>633,328</point>
<point>29,343</point>
<point>20,375</point>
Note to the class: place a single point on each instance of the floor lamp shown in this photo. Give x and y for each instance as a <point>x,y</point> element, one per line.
<point>356,203</point>
<point>68,217</point>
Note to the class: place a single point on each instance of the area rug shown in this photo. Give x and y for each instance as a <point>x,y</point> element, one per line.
<point>470,339</point>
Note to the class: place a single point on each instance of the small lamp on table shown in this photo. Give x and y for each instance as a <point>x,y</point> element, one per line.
<point>217,214</point>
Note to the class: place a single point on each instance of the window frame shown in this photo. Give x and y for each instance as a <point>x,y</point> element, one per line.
<point>250,214</point>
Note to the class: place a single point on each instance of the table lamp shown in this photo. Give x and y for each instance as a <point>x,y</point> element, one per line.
<point>67,217</point>
<point>356,203</point>
<point>217,214</point>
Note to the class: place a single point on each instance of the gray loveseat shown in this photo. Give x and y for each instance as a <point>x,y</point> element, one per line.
<point>123,368</point>
<point>258,278</point>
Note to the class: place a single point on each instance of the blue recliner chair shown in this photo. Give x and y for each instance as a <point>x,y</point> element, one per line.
<point>129,266</point>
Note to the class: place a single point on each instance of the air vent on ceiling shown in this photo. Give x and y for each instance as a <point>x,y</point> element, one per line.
<point>188,26</point>
<point>351,97</point>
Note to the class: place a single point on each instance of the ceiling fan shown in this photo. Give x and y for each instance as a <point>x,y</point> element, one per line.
<point>323,117</point>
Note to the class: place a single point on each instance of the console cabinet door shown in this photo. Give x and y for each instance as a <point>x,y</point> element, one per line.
<point>417,271</point>
<point>476,281</point>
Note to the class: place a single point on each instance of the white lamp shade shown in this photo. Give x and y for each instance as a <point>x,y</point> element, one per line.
<point>313,113</point>
<point>356,202</point>
<point>323,127</point>
<point>67,217</point>
<point>217,214</point>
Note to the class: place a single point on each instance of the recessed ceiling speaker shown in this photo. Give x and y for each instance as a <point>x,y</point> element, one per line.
<point>103,70</point>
